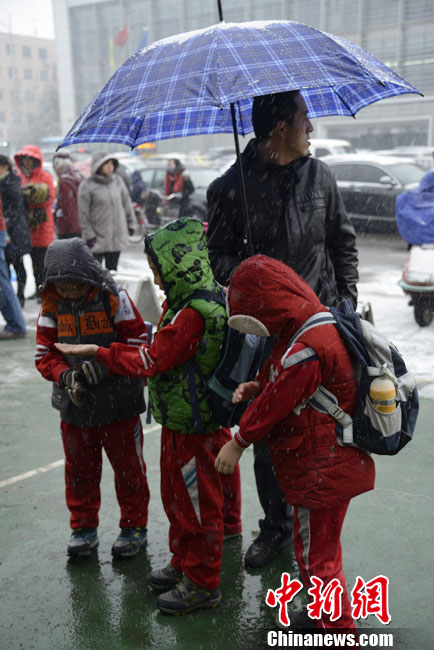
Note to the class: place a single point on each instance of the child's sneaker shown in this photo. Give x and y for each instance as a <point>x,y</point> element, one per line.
<point>129,542</point>
<point>82,541</point>
<point>164,579</point>
<point>186,597</point>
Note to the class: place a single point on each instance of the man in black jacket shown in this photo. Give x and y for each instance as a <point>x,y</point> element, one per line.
<point>296,215</point>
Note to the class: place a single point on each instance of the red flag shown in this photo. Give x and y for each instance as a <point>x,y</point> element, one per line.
<point>122,37</point>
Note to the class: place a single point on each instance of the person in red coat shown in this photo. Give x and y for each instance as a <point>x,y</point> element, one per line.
<point>66,214</point>
<point>39,194</point>
<point>316,474</point>
<point>179,185</point>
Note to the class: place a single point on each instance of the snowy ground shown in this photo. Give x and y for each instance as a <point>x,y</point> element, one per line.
<point>380,269</point>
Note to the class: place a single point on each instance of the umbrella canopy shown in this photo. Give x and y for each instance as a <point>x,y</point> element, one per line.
<point>183,85</point>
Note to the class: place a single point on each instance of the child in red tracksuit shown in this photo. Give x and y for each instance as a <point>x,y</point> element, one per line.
<point>317,475</point>
<point>194,495</point>
<point>98,409</point>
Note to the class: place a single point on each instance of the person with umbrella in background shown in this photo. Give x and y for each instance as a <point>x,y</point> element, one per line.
<point>296,215</point>
<point>105,210</point>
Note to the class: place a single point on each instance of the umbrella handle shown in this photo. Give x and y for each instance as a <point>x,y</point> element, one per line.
<point>248,239</point>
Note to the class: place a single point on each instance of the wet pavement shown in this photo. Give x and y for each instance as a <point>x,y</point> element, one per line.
<point>50,603</point>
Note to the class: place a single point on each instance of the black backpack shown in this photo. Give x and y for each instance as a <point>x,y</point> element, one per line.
<point>241,358</point>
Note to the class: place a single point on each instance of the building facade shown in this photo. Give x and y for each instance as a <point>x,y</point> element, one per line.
<point>94,38</point>
<point>28,90</point>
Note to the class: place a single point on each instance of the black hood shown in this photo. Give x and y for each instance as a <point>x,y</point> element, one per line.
<point>70,260</point>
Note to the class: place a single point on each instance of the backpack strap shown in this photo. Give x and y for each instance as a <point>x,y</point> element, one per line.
<point>325,402</point>
<point>322,399</point>
<point>322,318</point>
<point>204,294</point>
<point>192,365</point>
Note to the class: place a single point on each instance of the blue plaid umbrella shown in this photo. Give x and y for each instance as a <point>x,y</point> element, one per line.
<point>185,85</point>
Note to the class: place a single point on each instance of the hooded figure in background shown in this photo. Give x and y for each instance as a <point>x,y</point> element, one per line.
<point>39,194</point>
<point>105,211</point>
<point>66,213</point>
<point>316,474</point>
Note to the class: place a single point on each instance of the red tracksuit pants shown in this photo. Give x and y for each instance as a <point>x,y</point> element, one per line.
<point>195,499</point>
<point>318,552</point>
<point>123,443</point>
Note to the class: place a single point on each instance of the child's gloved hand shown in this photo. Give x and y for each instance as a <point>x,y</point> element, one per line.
<point>93,372</point>
<point>72,381</point>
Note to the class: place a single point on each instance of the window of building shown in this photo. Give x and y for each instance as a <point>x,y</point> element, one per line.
<point>15,96</point>
<point>2,117</point>
<point>28,73</point>
<point>42,53</point>
<point>12,73</point>
<point>1,93</point>
<point>27,53</point>
<point>418,10</point>
<point>380,13</point>
<point>307,12</point>
<point>44,75</point>
<point>267,11</point>
<point>30,96</point>
<point>342,16</point>
<point>10,49</point>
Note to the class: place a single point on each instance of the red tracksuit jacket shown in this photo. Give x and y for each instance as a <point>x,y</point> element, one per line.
<point>313,469</point>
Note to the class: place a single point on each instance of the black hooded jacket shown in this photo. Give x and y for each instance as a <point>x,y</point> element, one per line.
<point>91,321</point>
<point>296,215</point>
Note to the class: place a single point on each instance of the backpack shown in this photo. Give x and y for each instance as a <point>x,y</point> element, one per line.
<point>375,356</point>
<point>241,358</point>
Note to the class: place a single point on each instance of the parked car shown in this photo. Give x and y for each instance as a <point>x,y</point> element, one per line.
<point>369,183</point>
<point>320,147</point>
<point>422,156</point>
<point>154,175</point>
<point>186,159</point>
<point>217,154</point>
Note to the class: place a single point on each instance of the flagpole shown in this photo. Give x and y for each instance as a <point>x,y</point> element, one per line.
<point>248,236</point>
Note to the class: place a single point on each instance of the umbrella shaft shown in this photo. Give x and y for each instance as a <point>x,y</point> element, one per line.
<point>241,181</point>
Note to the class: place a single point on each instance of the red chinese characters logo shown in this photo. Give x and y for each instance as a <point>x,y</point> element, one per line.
<point>325,599</point>
<point>283,596</point>
<point>371,598</point>
<point>367,598</point>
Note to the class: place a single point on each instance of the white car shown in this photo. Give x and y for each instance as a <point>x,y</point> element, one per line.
<point>320,147</point>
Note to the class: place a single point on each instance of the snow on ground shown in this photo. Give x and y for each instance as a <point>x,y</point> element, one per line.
<point>395,318</point>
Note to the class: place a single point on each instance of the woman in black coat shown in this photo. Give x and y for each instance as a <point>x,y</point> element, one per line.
<point>15,214</point>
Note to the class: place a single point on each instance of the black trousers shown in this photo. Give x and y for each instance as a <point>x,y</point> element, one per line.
<point>111,259</point>
<point>278,514</point>
<point>38,255</point>
<point>14,258</point>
